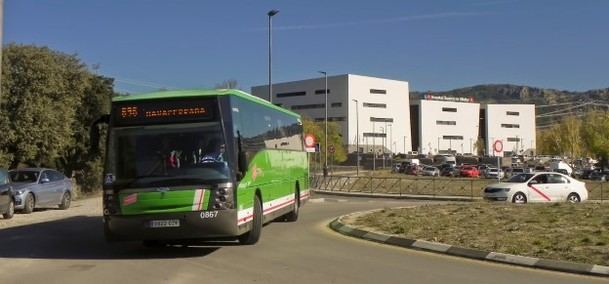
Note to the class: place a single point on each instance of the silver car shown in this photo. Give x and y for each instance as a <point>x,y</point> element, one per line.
<point>430,171</point>
<point>40,187</point>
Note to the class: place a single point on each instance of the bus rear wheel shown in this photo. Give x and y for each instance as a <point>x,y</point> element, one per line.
<point>293,216</point>
<point>253,235</point>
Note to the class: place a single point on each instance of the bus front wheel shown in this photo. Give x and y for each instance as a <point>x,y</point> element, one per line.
<point>253,235</point>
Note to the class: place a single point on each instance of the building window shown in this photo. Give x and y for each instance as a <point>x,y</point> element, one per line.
<point>374,134</point>
<point>291,94</point>
<point>381,119</point>
<point>452,137</point>
<point>513,139</point>
<point>445,122</point>
<point>375,105</point>
<point>311,106</point>
<point>321,92</point>
<point>515,113</point>
<point>336,105</point>
<point>377,91</point>
<point>505,125</point>
<point>449,109</point>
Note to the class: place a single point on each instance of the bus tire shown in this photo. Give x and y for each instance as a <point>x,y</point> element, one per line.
<point>253,235</point>
<point>293,216</point>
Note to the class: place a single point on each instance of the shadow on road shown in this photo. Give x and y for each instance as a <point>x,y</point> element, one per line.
<point>83,238</point>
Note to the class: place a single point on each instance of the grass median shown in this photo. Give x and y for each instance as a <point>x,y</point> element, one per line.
<point>568,232</point>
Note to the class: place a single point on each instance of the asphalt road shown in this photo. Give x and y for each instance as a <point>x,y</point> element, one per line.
<point>71,249</point>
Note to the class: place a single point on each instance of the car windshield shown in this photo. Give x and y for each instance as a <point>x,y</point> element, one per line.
<point>24,176</point>
<point>167,155</point>
<point>520,178</point>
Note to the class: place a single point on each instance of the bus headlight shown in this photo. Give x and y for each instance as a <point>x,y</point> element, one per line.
<point>223,196</point>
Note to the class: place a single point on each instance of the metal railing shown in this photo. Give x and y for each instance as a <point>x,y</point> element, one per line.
<point>424,186</point>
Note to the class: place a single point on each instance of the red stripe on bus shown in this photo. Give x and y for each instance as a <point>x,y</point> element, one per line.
<point>246,218</point>
<point>540,193</point>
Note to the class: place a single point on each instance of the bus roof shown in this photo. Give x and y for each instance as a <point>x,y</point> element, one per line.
<point>201,93</point>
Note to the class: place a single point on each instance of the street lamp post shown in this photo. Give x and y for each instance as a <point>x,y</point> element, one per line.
<point>357,133</point>
<point>390,139</point>
<point>373,147</point>
<point>271,13</point>
<point>383,130</point>
<point>404,144</point>
<point>326,121</point>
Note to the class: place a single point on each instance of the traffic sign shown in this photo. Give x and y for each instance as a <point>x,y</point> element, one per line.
<point>331,149</point>
<point>309,140</point>
<point>498,146</point>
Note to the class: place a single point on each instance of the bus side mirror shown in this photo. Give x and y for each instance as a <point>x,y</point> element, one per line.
<point>242,163</point>
<point>94,133</point>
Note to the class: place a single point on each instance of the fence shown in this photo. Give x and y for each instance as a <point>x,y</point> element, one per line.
<point>423,186</point>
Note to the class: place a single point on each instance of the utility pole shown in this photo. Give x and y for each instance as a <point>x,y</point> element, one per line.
<point>1,35</point>
<point>271,13</point>
<point>357,133</point>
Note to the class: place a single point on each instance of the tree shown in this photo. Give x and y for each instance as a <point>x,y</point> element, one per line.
<point>334,138</point>
<point>50,99</point>
<point>42,90</point>
<point>595,134</point>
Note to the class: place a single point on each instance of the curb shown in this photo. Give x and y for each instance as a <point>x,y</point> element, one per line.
<point>395,196</point>
<point>531,262</point>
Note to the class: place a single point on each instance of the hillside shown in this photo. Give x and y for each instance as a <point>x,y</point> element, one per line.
<point>505,93</point>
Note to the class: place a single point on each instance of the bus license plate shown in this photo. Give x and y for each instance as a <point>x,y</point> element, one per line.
<point>165,223</point>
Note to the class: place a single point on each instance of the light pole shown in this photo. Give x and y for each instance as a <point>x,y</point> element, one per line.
<point>326,122</point>
<point>373,147</point>
<point>404,144</point>
<point>383,139</point>
<point>357,133</point>
<point>271,13</point>
<point>390,138</point>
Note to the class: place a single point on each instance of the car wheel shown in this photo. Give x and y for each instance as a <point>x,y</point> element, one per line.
<point>29,204</point>
<point>519,198</point>
<point>10,212</point>
<point>66,200</point>
<point>573,198</point>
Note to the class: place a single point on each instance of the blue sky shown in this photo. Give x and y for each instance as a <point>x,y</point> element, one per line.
<point>435,45</point>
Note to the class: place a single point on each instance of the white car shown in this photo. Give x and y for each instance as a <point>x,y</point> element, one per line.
<point>537,187</point>
<point>493,173</point>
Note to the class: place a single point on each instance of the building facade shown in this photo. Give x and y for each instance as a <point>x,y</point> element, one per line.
<point>441,126</point>
<point>513,125</point>
<point>378,107</point>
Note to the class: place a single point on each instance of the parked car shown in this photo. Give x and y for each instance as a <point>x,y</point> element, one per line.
<point>469,171</point>
<point>430,171</point>
<point>413,169</point>
<point>7,204</point>
<point>599,175</point>
<point>493,173</point>
<point>537,187</point>
<point>40,187</point>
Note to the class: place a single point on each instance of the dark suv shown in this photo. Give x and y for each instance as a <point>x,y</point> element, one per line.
<point>7,204</point>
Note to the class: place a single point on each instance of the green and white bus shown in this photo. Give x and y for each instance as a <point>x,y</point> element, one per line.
<point>200,164</point>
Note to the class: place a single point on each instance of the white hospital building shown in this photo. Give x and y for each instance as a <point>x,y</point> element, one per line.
<point>380,105</point>
<point>389,121</point>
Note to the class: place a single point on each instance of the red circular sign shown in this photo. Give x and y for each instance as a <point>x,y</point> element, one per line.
<point>309,140</point>
<point>498,146</point>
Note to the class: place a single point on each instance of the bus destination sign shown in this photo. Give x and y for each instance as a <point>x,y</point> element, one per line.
<point>156,112</point>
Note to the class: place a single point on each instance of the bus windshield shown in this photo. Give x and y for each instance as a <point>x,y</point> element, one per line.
<point>167,155</point>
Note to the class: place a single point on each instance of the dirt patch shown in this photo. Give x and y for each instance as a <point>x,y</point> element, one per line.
<point>569,232</point>
<point>85,206</point>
